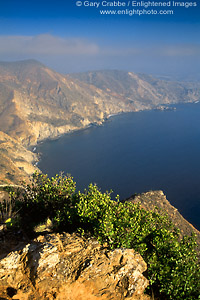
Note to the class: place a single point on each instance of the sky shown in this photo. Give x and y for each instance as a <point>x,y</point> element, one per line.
<point>75,36</point>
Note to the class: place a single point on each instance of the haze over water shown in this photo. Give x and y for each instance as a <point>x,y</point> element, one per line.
<point>133,153</point>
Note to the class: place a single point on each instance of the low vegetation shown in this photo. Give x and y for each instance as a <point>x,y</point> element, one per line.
<point>173,269</point>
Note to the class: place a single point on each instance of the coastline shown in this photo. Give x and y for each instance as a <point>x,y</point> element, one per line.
<point>169,107</point>
<point>33,148</point>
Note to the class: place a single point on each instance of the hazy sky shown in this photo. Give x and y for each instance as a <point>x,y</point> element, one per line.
<point>71,38</point>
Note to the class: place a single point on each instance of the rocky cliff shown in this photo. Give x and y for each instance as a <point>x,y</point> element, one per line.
<point>68,267</point>
<point>156,200</point>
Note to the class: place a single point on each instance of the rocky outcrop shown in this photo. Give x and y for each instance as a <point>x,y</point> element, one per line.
<point>68,267</point>
<point>156,200</point>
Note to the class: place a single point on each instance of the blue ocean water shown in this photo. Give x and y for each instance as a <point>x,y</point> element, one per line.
<point>133,153</point>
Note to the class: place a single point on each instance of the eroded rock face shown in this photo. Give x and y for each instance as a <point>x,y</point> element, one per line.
<point>64,266</point>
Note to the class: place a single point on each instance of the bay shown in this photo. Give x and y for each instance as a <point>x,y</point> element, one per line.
<point>133,153</point>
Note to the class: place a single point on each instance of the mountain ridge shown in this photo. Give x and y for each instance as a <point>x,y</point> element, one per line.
<point>37,102</point>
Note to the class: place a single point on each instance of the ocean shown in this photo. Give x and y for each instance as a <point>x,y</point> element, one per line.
<point>133,153</point>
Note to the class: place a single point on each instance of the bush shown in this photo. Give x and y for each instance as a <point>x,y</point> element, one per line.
<point>173,269</point>
<point>8,212</point>
<point>45,198</point>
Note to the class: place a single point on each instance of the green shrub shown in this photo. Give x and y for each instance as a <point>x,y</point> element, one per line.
<point>173,269</point>
<point>45,198</point>
<point>8,211</point>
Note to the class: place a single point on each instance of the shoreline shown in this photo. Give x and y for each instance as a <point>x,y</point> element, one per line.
<point>33,148</point>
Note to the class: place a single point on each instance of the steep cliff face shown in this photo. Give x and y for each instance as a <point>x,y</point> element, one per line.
<point>67,267</point>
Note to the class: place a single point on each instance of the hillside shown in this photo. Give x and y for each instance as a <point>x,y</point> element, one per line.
<point>142,90</point>
<point>37,103</point>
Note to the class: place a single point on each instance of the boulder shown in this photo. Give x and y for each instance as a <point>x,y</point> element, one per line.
<point>69,267</point>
